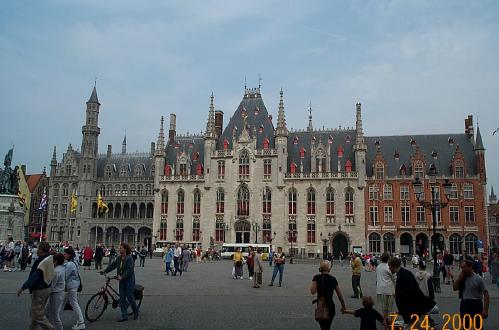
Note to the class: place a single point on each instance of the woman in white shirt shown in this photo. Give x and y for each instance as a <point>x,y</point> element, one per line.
<point>56,301</point>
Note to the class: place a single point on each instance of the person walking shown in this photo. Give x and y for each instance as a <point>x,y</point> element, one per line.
<point>56,301</point>
<point>39,285</point>
<point>124,266</point>
<point>88,254</point>
<point>368,315</point>
<point>73,284</point>
<point>99,255</point>
<point>448,260</point>
<point>142,256</point>
<point>186,258</point>
<point>408,296</point>
<point>324,285</point>
<point>356,265</point>
<point>34,254</point>
<point>258,268</point>
<point>238,264</point>
<point>24,256</point>
<point>279,261</point>
<point>385,287</point>
<point>17,254</point>
<point>112,254</point>
<point>271,256</point>
<point>472,292</point>
<point>177,254</point>
<point>250,262</point>
<point>341,257</point>
<point>168,261</point>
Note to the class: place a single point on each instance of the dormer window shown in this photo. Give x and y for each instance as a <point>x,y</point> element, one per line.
<point>266,144</point>
<point>403,170</point>
<point>183,169</point>
<point>226,144</point>
<point>108,171</point>
<point>418,170</point>
<point>139,170</point>
<point>379,171</point>
<point>292,168</point>
<point>295,140</point>
<point>459,170</point>
<point>123,171</point>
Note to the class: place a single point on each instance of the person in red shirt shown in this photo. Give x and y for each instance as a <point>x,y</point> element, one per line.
<point>88,254</point>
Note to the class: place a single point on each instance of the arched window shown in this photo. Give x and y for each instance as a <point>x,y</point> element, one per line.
<point>109,190</point>
<point>311,201</point>
<point>220,201</point>
<point>330,201</point>
<point>220,230</point>
<point>149,210</point>
<point>108,172</point>
<point>139,170</point>
<point>374,243</point>
<point>292,201</point>
<point>267,230</point>
<point>197,202</point>
<point>267,200</point>
<point>123,171</point>
<point>164,202</point>
<point>389,243</point>
<point>124,190</point>
<point>179,229</point>
<point>133,210</point>
<point>163,227</point>
<point>132,190</point>
<point>455,243</point>
<point>243,201</point>
<point>349,201</point>
<point>56,190</point>
<point>470,244</point>
<point>65,190</point>
<point>180,201</point>
<point>244,164</point>
<point>148,190</point>
<point>140,190</point>
<point>102,190</point>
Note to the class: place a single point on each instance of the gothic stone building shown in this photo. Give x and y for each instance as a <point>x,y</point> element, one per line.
<point>125,181</point>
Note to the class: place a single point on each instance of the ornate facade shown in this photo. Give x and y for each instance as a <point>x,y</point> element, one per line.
<point>251,181</point>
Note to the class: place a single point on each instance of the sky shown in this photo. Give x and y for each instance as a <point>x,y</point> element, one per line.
<point>417,67</point>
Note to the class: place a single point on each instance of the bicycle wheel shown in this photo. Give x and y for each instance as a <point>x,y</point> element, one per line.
<point>96,305</point>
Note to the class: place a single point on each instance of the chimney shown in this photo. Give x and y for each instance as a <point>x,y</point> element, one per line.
<point>468,127</point>
<point>173,127</point>
<point>219,122</point>
<point>109,151</point>
<point>153,148</point>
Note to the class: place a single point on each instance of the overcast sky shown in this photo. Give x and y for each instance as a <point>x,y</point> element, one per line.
<point>417,67</point>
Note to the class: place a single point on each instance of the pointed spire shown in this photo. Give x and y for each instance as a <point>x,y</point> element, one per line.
<point>210,125</point>
<point>54,154</point>
<point>310,127</point>
<point>123,145</point>
<point>282,130</point>
<point>358,125</point>
<point>93,98</point>
<point>492,197</point>
<point>160,145</point>
<point>479,142</point>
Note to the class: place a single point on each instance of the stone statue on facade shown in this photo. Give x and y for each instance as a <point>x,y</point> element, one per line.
<point>9,179</point>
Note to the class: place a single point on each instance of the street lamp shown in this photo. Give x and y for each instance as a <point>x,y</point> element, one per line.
<point>291,237</point>
<point>226,228</point>
<point>256,229</point>
<point>435,205</point>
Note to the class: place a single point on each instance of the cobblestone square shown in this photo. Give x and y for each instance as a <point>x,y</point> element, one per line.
<point>206,297</point>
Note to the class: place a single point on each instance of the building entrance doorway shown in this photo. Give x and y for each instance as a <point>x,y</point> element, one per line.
<point>242,229</point>
<point>340,243</point>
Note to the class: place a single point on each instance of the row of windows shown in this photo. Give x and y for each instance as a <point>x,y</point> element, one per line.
<point>125,170</point>
<point>455,243</point>
<point>243,201</point>
<point>405,220</point>
<point>374,192</point>
<point>244,168</point>
<point>122,190</point>
<point>418,170</point>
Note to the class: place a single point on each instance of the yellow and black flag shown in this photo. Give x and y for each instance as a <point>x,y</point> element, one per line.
<point>101,206</point>
<point>74,203</point>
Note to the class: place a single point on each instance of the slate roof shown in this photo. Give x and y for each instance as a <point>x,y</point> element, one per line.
<point>93,98</point>
<point>191,145</point>
<point>252,105</point>
<point>304,139</point>
<point>129,160</point>
<point>439,143</point>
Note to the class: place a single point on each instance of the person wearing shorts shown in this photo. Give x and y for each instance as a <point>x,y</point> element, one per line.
<point>449,266</point>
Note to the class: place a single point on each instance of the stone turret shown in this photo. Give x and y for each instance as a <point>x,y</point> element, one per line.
<point>360,148</point>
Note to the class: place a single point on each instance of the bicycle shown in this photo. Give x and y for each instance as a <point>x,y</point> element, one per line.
<point>97,304</point>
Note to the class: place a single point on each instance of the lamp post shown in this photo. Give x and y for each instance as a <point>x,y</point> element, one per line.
<point>226,229</point>
<point>435,205</point>
<point>291,237</point>
<point>256,229</point>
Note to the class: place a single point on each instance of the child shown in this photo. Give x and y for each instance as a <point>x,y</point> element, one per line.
<point>368,315</point>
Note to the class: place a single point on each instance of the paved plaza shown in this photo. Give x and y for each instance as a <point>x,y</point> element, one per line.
<point>207,297</point>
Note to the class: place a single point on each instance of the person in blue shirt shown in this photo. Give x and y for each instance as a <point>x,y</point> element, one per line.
<point>39,285</point>
<point>168,261</point>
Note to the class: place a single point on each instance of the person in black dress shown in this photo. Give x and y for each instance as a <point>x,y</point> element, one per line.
<point>368,315</point>
<point>324,285</point>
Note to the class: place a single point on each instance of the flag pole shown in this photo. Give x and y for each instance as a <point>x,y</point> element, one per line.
<point>41,229</point>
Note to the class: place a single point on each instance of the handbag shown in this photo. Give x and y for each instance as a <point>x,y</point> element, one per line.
<point>321,310</point>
